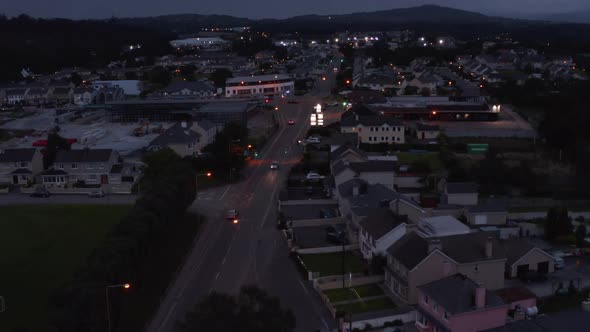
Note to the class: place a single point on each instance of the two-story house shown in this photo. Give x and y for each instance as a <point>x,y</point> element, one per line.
<point>373,171</point>
<point>180,138</point>
<point>16,96</point>
<point>374,129</point>
<point>207,130</point>
<point>89,166</point>
<point>458,304</point>
<point>37,96</point>
<point>83,96</point>
<point>19,166</point>
<point>415,260</point>
<point>380,229</point>
<point>357,198</point>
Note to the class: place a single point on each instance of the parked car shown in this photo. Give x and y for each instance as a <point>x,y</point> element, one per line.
<point>336,236</point>
<point>313,176</point>
<point>96,194</point>
<point>41,193</point>
<point>291,122</point>
<point>274,165</point>
<point>231,214</point>
<point>334,104</point>
<point>559,262</point>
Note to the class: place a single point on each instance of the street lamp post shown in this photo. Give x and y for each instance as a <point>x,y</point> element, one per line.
<point>106,292</point>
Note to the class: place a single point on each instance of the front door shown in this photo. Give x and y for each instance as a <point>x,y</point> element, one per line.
<point>104,179</point>
<point>15,179</point>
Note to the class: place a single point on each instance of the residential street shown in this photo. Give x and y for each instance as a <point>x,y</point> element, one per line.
<point>227,256</point>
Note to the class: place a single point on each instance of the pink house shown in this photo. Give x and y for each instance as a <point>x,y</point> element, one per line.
<point>458,304</point>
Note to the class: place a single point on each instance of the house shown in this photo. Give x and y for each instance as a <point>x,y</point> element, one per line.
<point>37,96</point>
<point>195,89</point>
<point>347,152</point>
<point>19,166</point>
<point>442,226</point>
<point>379,230</point>
<point>61,95</point>
<point>207,130</point>
<point>180,138</point>
<point>89,166</point>
<point>16,96</point>
<point>486,214</point>
<point>461,193</point>
<point>83,96</point>
<point>426,131</point>
<point>523,256</point>
<point>373,171</point>
<point>357,199</point>
<point>415,260</point>
<point>374,129</point>
<point>458,304</point>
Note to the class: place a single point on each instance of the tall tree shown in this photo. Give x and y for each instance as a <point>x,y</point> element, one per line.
<point>219,76</point>
<point>251,310</point>
<point>580,234</point>
<point>558,223</point>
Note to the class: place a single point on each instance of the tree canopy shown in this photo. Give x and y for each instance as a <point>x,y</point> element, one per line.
<point>253,309</point>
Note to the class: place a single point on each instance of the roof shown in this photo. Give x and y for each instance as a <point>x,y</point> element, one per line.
<point>574,321</point>
<point>52,171</point>
<point>232,107</point>
<point>381,221</point>
<point>14,155</point>
<point>206,124</point>
<point>462,187</point>
<point>59,91</point>
<point>83,156</point>
<point>412,248</point>
<point>426,127</point>
<point>116,169</point>
<point>343,148</point>
<point>15,92</point>
<point>176,134</point>
<point>515,249</point>
<point>370,120</point>
<point>345,188</point>
<point>514,294</point>
<point>366,96</point>
<point>21,171</point>
<point>252,79</point>
<point>443,226</point>
<point>370,198</point>
<point>373,166</point>
<point>456,294</point>
<point>190,85</point>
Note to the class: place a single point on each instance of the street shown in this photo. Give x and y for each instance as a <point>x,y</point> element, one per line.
<point>228,256</point>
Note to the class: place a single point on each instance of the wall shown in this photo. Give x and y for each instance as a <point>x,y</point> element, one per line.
<point>524,303</point>
<point>184,150</point>
<point>462,199</point>
<point>492,218</point>
<point>381,135</point>
<point>405,317</point>
<point>428,134</point>
<point>489,273</point>
<point>430,269</point>
<point>343,176</point>
<point>478,321</point>
<point>402,181</point>
<point>532,259</point>
<point>278,88</point>
<point>389,239</point>
<point>333,282</point>
<point>323,250</point>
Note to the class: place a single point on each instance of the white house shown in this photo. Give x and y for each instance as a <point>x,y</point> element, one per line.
<point>461,193</point>
<point>83,96</point>
<point>379,230</point>
<point>373,129</point>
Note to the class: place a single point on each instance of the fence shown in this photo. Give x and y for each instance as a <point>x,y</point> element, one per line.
<point>383,318</point>
<point>317,222</point>
<point>358,279</point>
<point>324,250</point>
<point>310,202</point>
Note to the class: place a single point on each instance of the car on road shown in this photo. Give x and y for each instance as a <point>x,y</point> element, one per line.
<point>232,214</point>
<point>96,194</point>
<point>314,176</point>
<point>291,122</point>
<point>333,104</point>
<point>312,140</point>
<point>41,193</point>
<point>274,165</point>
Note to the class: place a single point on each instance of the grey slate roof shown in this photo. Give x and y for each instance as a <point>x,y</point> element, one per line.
<point>411,248</point>
<point>462,187</point>
<point>193,86</point>
<point>61,91</point>
<point>482,208</point>
<point>456,294</point>
<point>14,155</point>
<point>345,188</point>
<point>176,134</point>
<point>373,166</point>
<point>370,120</point>
<point>375,196</point>
<point>52,171</point>
<point>426,127</point>
<point>515,249</point>
<point>15,92</point>
<point>206,124</point>
<point>343,148</point>
<point>21,171</point>
<point>381,221</point>
<point>83,156</point>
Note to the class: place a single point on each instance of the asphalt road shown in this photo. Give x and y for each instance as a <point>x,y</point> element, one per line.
<point>228,256</point>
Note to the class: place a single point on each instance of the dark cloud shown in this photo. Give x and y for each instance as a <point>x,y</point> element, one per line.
<point>269,8</point>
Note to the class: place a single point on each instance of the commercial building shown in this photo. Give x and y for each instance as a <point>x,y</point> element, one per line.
<point>259,86</point>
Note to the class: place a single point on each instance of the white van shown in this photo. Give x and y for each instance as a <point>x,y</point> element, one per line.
<point>559,262</point>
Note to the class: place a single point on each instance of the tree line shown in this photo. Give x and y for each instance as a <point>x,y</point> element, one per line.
<point>168,189</point>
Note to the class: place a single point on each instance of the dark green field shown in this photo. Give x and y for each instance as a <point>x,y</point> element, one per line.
<point>40,248</point>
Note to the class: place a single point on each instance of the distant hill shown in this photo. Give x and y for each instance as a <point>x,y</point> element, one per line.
<point>580,16</point>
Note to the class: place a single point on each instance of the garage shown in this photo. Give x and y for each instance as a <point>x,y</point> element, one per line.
<point>543,267</point>
<point>522,270</point>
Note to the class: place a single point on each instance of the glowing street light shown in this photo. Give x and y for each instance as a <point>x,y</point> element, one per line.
<point>108,305</point>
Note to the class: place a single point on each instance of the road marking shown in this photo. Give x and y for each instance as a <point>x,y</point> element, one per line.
<point>325,324</point>
<point>225,192</point>
<point>169,314</point>
<point>223,261</point>
<point>303,286</point>
<point>217,276</point>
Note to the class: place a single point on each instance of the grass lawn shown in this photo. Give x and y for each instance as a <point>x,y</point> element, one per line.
<point>343,294</point>
<point>41,247</point>
<point>372,305</point>
<point>331,264</point>
<point>431,157</point>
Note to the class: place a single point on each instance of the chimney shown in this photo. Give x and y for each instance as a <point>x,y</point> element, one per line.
<point>480,296</point>
<point>434,244</point>
<point>411,227</point>
<point>489,247</point>
<point>355,189</point>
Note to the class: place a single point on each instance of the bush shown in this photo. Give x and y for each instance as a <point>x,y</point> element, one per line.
<point>566,239</point>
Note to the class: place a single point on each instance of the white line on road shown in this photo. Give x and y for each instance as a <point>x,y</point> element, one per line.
<point>217,276</point>
<point>303,286</point>
<point>169,314</point>
<point>225,192</point>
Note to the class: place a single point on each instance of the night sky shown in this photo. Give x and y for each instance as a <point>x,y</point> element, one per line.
<point>78,9</point>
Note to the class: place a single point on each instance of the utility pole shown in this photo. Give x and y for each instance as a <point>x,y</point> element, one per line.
<point>343,256</point>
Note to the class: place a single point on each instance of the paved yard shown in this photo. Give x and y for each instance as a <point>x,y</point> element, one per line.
<point>312,237</point>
